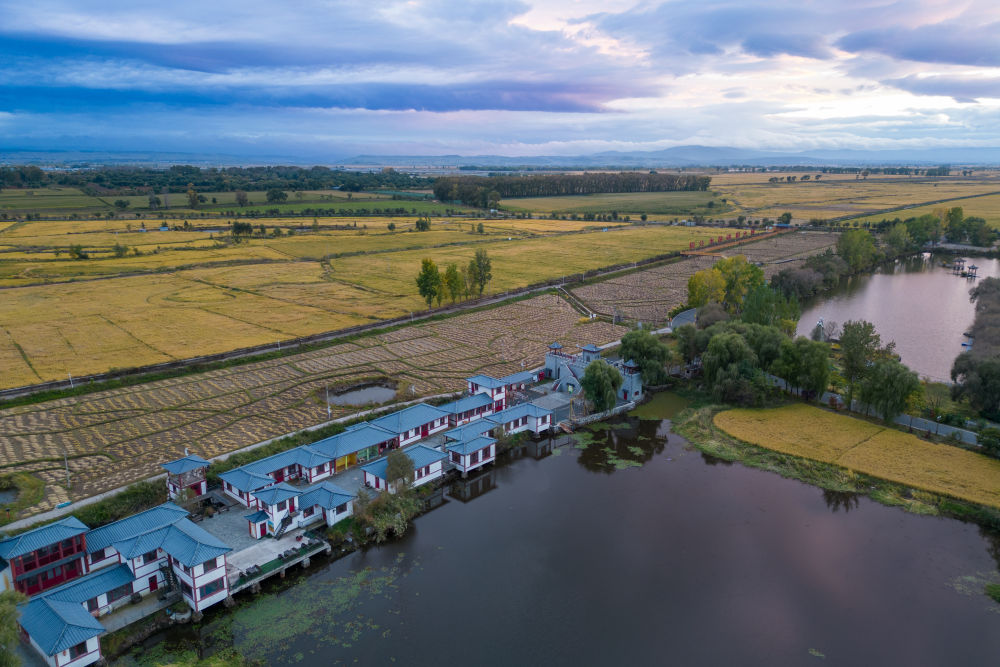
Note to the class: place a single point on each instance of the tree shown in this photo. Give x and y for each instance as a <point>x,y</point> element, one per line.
<point>241,198</point>
<point>481,270</point>
<point>392,226</point>
<point>453,282</point>
<point>935,396</point>
<point>741,277</point>
<point>468,283</point>
<point>887,387</point>
<point>860,346</point>
<point>978,381</point>
<point>121,204</point>
<point>898,239</point>
<point>649,353</point>
<point>600,382</point>
<point>785,218</point>
<point>276,196</point>
<point>120,250</point>
<point>398,468</point>
<point>856,248</point>
<point>480,229</point>
<point>9,634</point>
<point>804,364</point>
<point>192,196</point>
<point>724,350</point>
<point>769,307</point>
<point>706,286</point>
<point>709,314</point>
<point>429,281</point>
<point>423,224</point>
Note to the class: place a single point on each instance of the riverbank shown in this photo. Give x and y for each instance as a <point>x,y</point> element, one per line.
<point>698,425</point>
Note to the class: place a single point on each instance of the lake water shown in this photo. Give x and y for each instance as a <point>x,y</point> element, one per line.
<point>372,394</point>
<point>922,306</point>
<point>579,558</point>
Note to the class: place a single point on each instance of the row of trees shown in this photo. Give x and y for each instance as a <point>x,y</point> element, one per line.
<point>486,192</point>
<point>181,178</point>
<point>454,281</point>
<point>976,374</point>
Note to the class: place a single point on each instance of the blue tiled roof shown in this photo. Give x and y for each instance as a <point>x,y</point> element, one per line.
<point>183,465</point>
<point>518,411</point>
<point>91,585</point>
<point>163,527</point>
<point>590,347</point>
<point>325,494</point>
<point>191,544</point>
<point>472,429</point>
<point>275,494</point>
<point>519,377</point>
<point>260,516</point>
<point>358,437</point>
<point>56,625</point>
<point>470,446</point>
<point>486,381</point>
<point>421,455</point>
<point>555,346</point>
<point>137,524</point>
<point>409,418</point>
<point>41,537</point>
<point>461,405</point>
<point>245,480</point>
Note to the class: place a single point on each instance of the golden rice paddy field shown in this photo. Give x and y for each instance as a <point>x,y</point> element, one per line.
<point>841,195</point>
<point>119,436</point>
<point>810,432</point>
<point>632,203</point>
<point>987,207</point>
<point>65,316</point>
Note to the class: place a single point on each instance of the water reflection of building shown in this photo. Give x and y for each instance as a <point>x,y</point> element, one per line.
<point>473,487</point>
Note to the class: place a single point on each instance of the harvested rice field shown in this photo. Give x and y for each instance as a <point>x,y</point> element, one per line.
<point>120,436</point>
<point>810,432</point>
<point>648,295</point>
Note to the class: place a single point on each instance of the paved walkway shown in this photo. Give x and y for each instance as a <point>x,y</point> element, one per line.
<point>131,613</point>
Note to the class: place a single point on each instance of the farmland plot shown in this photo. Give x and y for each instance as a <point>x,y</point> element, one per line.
<point>120,436</point>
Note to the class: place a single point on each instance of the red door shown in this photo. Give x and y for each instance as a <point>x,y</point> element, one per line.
<point>424,430</point>
<point>152,583</point>
<point>279,476</point>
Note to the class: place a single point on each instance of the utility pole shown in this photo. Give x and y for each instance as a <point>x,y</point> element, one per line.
<point>329,413</point>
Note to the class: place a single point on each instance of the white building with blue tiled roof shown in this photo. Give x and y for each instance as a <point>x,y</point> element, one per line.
<point>472,454</point>
<point>137,555</point>
<point>428,465</point>
<point>186,475</point>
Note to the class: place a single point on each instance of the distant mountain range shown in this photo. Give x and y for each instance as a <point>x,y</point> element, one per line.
<point>696,156</point>
<point>678,156</point>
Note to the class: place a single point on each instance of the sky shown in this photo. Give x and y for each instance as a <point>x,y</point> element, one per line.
<point>330,80</point>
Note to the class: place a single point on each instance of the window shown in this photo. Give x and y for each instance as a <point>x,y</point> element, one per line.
<point>341,509</point>
<point>67,544</point>
<point>419,473</point>
<point>308,511</point>
<point>92,604</point>
<point>210,564</point>
<point>78,650</point>
<point>229,487</point>
<point>486,452</point>
<point>456,457</point>
<point>118,593</point>
<point>281,506</point>
<point>149,557</point>
<point>186,590</point>
<point>211,588</point>
<point>475,457</point>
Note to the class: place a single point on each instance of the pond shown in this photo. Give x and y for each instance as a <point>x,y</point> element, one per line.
<point>918,303</point>
<point>563,557</point>
<point>370,395</point>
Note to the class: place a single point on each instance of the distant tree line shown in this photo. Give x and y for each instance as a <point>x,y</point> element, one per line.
<point>182,178</point>
<point>486,192</point>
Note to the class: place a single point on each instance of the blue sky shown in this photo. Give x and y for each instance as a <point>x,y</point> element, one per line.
<point>329,80</point>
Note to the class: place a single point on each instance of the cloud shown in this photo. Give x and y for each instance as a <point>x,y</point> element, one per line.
<point>948,43</point>
<point>960,88</point>
<point>493,76</point>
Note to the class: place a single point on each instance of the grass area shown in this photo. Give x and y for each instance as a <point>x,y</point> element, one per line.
<point>861,446</point>
<point>29,488</point>
<point>631,203</point>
